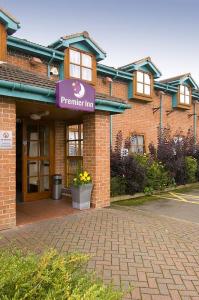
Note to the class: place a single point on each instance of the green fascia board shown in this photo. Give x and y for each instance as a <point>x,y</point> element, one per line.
<point>190,81</point>
<point>10,24</point>
<point>109,71</point>
<point>28,47</point>
<point>111,106</point>
<point>45,95</point>
<point>165,87</point>
<point>195,95</point>
<point>149,65</point>
<point>184,80</point>
<point>63,44</point>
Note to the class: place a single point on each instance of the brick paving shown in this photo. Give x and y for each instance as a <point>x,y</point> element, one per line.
<point>159,256</point>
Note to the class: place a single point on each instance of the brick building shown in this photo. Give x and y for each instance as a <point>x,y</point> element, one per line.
<point>39,139</point>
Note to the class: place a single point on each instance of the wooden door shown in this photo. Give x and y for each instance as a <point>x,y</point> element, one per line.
<point>38,159</point>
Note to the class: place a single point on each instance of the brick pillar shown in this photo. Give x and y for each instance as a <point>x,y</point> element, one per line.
<point>8,167</point>
<point>60,153</point>
<point>96,155</point>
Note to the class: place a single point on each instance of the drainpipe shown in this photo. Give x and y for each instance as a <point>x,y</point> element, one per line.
<point>195,122</point>
<point>161,111</point>
<point>52,58</point>
<point>111,120</point>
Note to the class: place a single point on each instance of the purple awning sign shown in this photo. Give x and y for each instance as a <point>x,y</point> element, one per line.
<point>75,94</point>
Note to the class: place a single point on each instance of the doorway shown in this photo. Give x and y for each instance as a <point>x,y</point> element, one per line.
<point>35,159</point>
<point>19,160</point>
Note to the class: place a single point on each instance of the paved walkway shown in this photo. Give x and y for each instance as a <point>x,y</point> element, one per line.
<point>158,255</point>
<point>30,212</point>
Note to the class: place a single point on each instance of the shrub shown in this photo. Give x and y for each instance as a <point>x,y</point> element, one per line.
<point>172,152</point>
<point>157,178</point>
<point>50,276</point>
<point>118,186</point>
<point>134,174</point>
<point>129,173</point>
<point>191,169</point>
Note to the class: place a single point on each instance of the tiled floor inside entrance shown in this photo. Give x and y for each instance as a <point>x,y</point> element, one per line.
<point>30,212</point>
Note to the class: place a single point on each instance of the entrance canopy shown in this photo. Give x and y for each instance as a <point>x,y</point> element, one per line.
<point>17,83</point>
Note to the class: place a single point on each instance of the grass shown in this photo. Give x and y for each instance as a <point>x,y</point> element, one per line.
<point>144,199</point>
<point>135,201</point>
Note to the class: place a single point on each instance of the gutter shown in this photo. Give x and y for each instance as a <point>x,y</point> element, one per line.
<point>111,103</point>
<point>165,87</point>
<point>114,72</point>
<point>27,88</point>
<point>27,46</point>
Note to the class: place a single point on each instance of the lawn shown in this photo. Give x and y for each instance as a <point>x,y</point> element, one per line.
<point>144,199</point>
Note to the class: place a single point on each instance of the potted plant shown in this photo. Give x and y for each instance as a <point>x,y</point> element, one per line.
<point>81,191</point>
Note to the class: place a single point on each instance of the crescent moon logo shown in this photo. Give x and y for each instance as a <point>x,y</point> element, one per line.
<point>81,92</point>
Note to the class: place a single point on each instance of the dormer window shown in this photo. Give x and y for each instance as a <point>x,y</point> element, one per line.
<point>80,65</point>
<point>143,84</point>
<point>185,98</point>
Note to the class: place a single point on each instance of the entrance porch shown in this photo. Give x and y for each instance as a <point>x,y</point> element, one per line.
<point>31,212</point>
<point>74,139</point>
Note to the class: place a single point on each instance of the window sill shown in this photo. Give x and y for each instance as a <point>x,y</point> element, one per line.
<point>143,98</point>
<point>86,81</point>
<point>183,106</point>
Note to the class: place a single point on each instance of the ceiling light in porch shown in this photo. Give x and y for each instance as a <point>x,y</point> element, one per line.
<point>38,116</point>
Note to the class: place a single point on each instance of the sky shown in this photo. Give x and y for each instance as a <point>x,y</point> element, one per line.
<point>128,30</point>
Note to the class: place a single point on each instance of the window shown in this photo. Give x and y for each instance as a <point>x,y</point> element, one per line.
<point>80,65</point>
<point>137,144</point>
<point>143,83</point>
<point>184,95</point>
<point>74,151</point>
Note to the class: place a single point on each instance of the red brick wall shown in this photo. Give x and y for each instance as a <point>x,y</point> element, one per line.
<point>119,88</point>
<point>141,119</point>
<point>60,145</point>
<point>23,61</point>
<point>8,167</point>
<point>96,155</point>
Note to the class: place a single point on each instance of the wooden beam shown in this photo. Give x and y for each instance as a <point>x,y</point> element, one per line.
<point>3,42</point>
<point>66,64</point>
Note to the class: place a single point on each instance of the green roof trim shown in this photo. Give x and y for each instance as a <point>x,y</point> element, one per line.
<point>79,38</point>
<point>12,25</point>
<point>143,64</point>
<point>115,73</point>
<point>35,49</point>
<point>29,92</point>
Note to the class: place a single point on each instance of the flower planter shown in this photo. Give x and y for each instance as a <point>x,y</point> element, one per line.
<point>81,196</point>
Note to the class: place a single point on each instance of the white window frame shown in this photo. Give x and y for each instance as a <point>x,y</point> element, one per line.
<point>144,83</point>
<point>137,145</point>
<point>81,65</point>
<point>184,93</point>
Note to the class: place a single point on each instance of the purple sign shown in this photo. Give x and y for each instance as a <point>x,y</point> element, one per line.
<point>75,94</point>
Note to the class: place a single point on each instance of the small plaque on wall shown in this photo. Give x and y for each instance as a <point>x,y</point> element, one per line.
<point>5,139</point>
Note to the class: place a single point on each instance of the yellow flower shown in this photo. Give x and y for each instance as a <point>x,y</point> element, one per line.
<point>88,178</point>
<point>85,173</point>
<point>80,174</point>
<point>75,179</point>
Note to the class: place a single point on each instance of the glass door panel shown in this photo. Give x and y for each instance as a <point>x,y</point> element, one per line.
<point>74,151</point>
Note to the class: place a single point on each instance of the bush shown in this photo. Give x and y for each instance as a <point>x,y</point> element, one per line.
<point>172,152</point>
<point>118,186</point>
<point>191,169</point>
<point>157,178</point>
<point>50,276</point>
<point>134,174</point>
